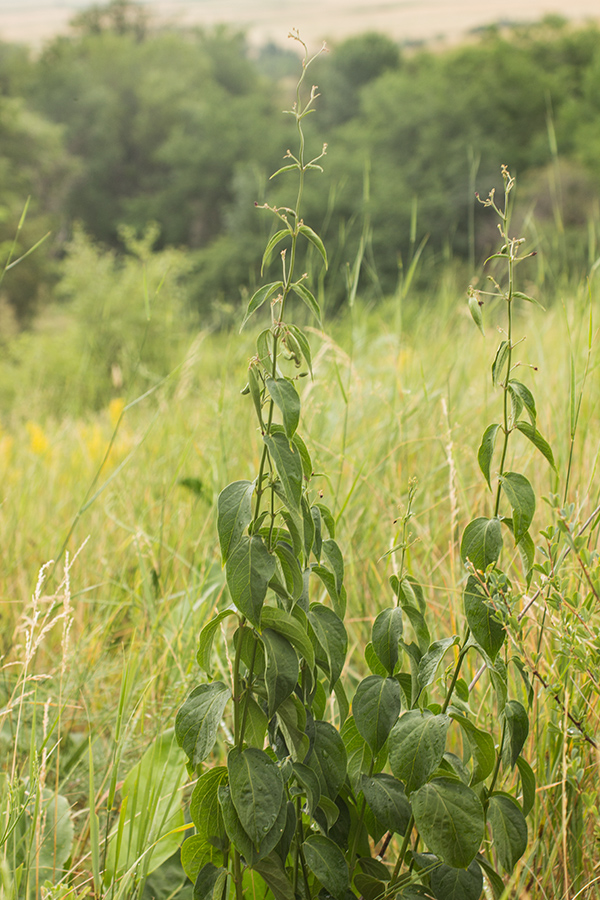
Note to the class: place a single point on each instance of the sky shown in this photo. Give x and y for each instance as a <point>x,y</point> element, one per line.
<point>36,21</point>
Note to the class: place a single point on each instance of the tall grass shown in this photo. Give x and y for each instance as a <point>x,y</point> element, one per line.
<point>131,488</point>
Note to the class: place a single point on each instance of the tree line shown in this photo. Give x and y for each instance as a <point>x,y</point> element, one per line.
<point>123,123</point>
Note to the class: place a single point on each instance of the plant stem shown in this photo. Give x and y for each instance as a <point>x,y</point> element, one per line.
<point>403,849</point>
<point>461,656</point>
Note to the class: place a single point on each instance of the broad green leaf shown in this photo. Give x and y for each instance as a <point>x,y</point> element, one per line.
<point>327,518</point>
<point>342,701</point>
<point>386,632</point>
<point>291,719</point>
<point>481,542</point>
<point>274,240</point>
<point>314,239</point>
<point>207,636</point>
<point>330,812</point>
<point>303,344</point>
<point>358,754</point>
<point>150,814</point>
<point>450,819</point>
<point>308,298</point>
<point>196,854</point>
<point>500,361</point>
<point>290,628</point>
<point>334,557</point>
<point>388,801</point>
<point>204,803</point>
<point>429,663</point>
<point>375,707</point>
<point>525,397</point>
<point>526,549</point>
<point>302,449</point>
<point>318,541</point>
<point>475,310</point>
<point>509,829</point>
<point>206,881</point>
<point>482,747</point>
<point>538,441</point>
<point>527,785</point>
<point>338,599</point>
<point>486,451</point>
<point>249,570</point>
<point>492,876</point>
<point>54,831</point>
<point>238,836</point>
<point>234,514</point>
<point>309,529</point>
<point>416,746</point>
<point>326,862</point>
<point>369,887</point>
<point>516,730</point>
<point>332,638</point>
<point>485,627</point>
<point>521,497</point>
<point>264,348</point>
<point>288,464</point>
<point>256,722</point>
<point>198,719</point>
<point>257,791</point>
<point>272,871</point>
<point>309,784</point>
<point>328,759</point>
<point>248,643</point>
<point>256,385</point>
<point>419,625</point>
<point>373,661</point>
<point>448,883</point>
<point>287,400</point>
<point>281,672</point>
<point>290,567</point>
<point>258,298</point>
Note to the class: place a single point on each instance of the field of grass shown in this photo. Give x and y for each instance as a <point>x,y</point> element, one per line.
<point>119,505</point>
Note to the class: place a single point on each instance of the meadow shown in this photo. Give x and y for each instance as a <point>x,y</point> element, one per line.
<point>133,410</point>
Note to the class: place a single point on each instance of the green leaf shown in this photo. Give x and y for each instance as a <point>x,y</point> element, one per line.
<point>255,385</point>
<point>273,873</point>
<point>486,451</point>
<point>276,239</point>
<point>308,298</point>
<point>206,881</point>
<point>264,347</point>
<point>525,397</point>
<point>429,663</point>
<point>375,707</point>
<point>256,722</point>
<point>207,636</point>
<point>238,836</point>
<point>258,298</point>
<point>198,719</point>
<point>196,853</point>
<point>526,549</point>
<point>448,883</point>
<point>538,441</point>
<point>482,747</point>
<point>249,570</point>
<point>500,361</point>
<point>285,396</point>
<point>288,464</point>
<point>387,801</point>
<point>304,456</point>
<point>332,638</point>
<point>516,731</point>
<point>519,295</point>
<point>416,746</point>
<point>358,753</point>
<point>303,344</point>
<point>509,829</point>
<point>386,632</point>
<point>492,876</point>
<point>257,791</point>
<point>327,517</point>
<point>309,785</point>
<point>204,803</point>
<point>521,497</point>
<point>481,542</point>
<point>338,599</point>
<point>318,541</point>
<point>328,759</point>
<point>342,701</point>
<point>315,240</point>
<point>450,819</point>
<point>290,168</point>
<point>291,569</point>
<point>290,628</point>
<point>475,310</point>
<point>326,862</point>
<point>234,514</point>
<point>281,672</point>
<point>291,719</point>
<point>527,785</point>
<point>334,557</point>
<point>485,627</point>
<point>309,529</point>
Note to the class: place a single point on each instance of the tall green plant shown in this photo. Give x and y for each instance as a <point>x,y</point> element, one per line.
<point>309,800</point>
